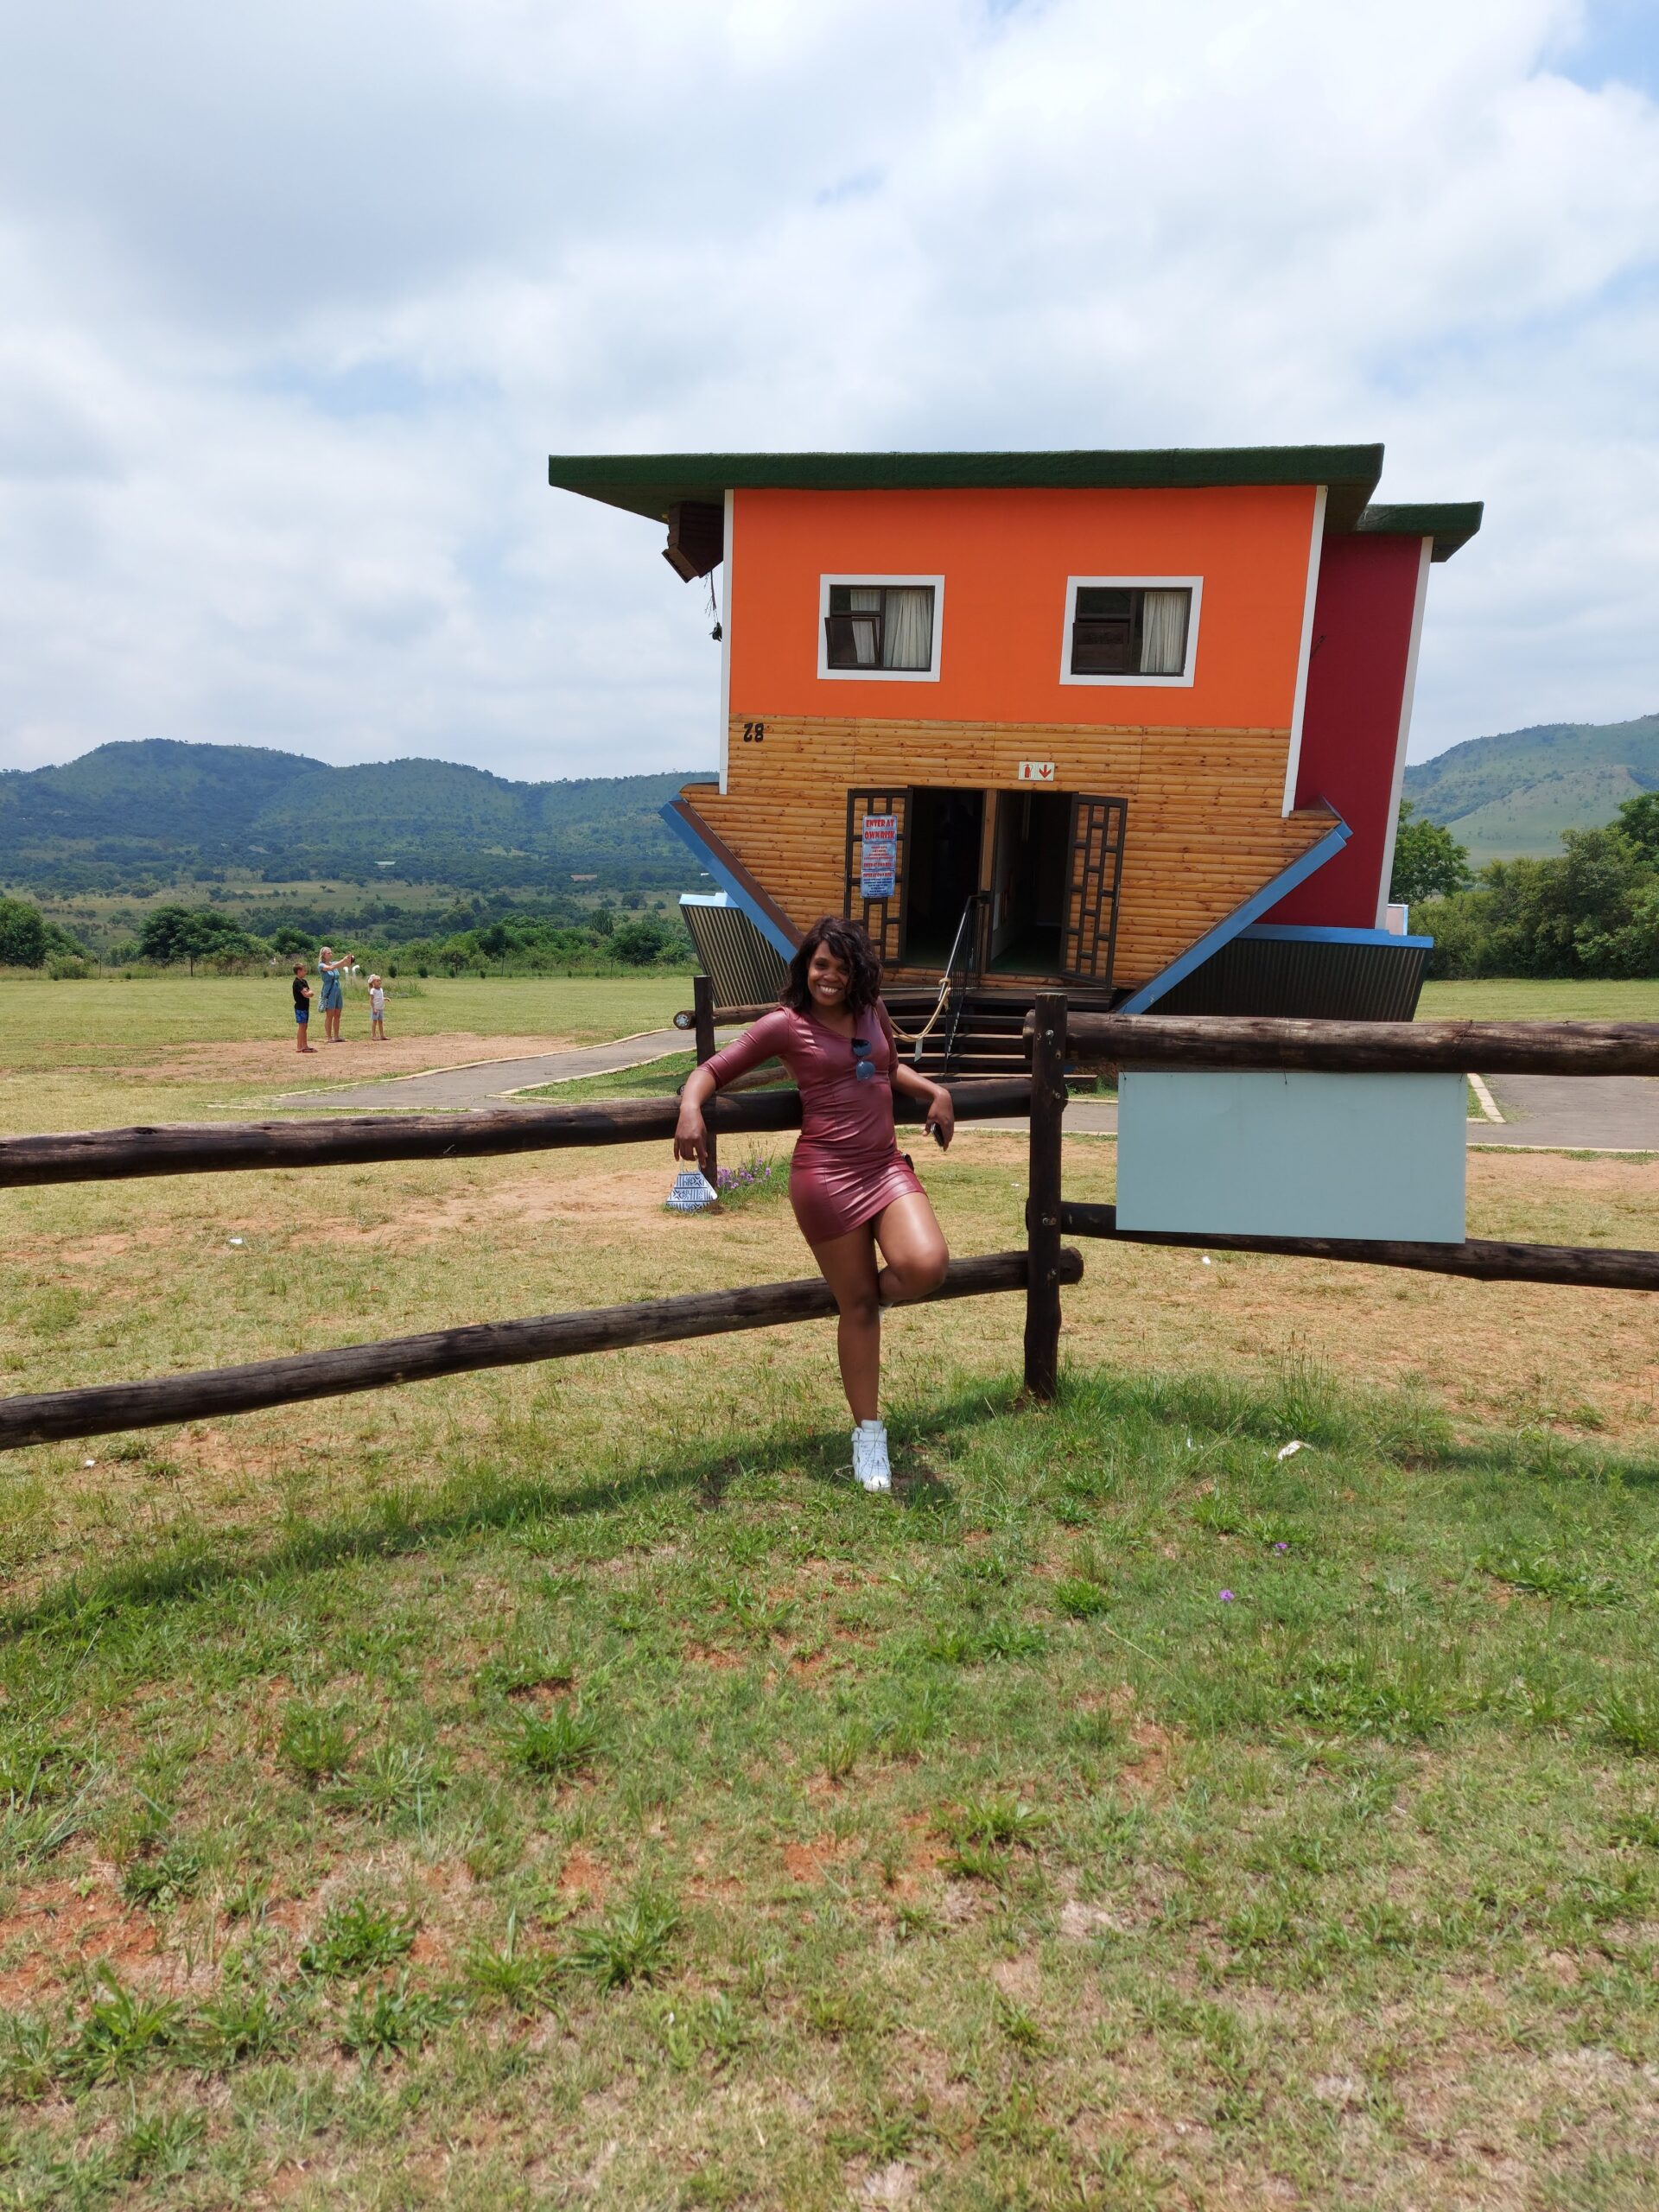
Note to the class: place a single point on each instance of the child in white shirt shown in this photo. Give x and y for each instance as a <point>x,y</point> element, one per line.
<point>376,1010</point>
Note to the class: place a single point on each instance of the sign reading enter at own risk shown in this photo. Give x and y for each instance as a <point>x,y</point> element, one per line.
<point>1036,771</point>
<point>878,855</point>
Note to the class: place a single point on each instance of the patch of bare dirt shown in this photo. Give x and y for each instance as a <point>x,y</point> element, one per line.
<point>582,1876</point>
<point>807,1862</point>
<point>356,1061</point>
<point>631,1194</point>
<point>66,1930</point>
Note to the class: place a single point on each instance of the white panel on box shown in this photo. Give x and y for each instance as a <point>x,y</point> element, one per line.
<point>1262,1153</point>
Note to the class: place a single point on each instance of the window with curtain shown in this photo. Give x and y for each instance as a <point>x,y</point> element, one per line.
<point>880,625</point>
<point>1129,630</point>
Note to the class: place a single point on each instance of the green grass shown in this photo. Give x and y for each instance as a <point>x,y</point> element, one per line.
<point>984,1825</point>
<point>560,1781</point>
<point>112,1022</point>
<point>1531,999</point>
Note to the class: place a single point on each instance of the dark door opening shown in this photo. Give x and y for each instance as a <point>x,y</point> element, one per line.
<point>1028,883</point>
<point>946,829</point>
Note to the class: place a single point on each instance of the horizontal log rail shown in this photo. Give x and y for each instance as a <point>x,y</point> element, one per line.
<point>1145,1040</point>
<point>94,1155</point>
<point>54,1416</point>
<point>1585,1267</point>
<point>727,1016</point>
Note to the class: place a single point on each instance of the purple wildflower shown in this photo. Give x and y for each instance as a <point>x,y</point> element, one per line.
<point>1281,1548</point>
<point>1226,1597</point>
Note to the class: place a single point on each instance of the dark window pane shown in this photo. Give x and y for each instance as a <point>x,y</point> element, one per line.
<point>1101,648</point>
<point>1103,600</point>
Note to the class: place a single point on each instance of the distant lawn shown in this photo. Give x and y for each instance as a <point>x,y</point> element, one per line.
<point>119,1021</point>
<point>1541,999</point>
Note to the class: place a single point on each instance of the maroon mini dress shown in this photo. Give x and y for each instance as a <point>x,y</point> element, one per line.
<point>847,1166</point>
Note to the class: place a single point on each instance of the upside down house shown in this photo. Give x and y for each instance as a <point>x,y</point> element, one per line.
<point>1133,722</point>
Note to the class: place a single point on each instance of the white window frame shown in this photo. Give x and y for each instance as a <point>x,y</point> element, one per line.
<point>929,675</point>
<point>1137,679</point>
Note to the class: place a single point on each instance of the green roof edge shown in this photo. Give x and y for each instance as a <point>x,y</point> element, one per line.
<point>1449,527</point>
<point>649,484</point>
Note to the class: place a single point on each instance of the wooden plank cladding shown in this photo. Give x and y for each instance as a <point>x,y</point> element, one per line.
<point>1204,829</point>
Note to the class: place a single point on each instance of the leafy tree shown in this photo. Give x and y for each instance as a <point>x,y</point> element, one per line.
<point>1428,861</point>
<point>638,940</point>
<point>192,934</point>
<point>1638,824</point>
<point>291,942</point>
<point>23,934</point>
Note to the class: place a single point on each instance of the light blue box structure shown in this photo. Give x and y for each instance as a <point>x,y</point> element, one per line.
<point>1270,1152</point>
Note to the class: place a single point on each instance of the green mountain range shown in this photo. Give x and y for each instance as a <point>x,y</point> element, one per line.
<point>155,811</point>
<point>1506,796</point>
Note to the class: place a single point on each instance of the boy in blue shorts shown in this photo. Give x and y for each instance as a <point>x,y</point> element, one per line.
<point>301,1009</point>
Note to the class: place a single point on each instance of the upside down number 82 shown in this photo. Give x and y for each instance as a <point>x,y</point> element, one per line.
<point>754,733</point>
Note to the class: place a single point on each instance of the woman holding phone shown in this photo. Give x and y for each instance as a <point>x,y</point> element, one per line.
<point>852,1189</point>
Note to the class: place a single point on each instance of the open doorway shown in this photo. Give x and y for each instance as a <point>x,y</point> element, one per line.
<point>944,833</point>
<point>1028,883</point>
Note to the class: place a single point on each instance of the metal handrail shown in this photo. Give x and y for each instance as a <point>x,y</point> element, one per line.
<point>970,916</point>
<point>946,987</point>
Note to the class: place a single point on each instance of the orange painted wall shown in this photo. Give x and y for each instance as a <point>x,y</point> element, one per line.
<point>1005,556</point>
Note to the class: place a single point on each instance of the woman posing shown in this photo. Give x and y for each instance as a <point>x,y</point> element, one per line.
<point>851,1188</point>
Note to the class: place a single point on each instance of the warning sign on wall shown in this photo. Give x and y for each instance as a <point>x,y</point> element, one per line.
<point>1037,772</point>
<point>878,855</point>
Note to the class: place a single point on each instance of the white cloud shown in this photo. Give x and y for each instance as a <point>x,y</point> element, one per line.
<point>300,298</point>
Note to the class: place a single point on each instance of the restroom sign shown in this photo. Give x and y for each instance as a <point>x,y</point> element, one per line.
<point>1037,772</point>
<point>878,855</point>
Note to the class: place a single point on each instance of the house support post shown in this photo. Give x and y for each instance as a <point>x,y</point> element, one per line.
<point>1043,1197</point>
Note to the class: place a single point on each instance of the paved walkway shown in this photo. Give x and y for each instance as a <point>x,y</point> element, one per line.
<point>1603,1113</point>
<point>491,1083</point>
<point>1543,1113</point>
<point>1540,1112</point>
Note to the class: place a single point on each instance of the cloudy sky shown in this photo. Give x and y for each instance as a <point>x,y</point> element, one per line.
<point>299,294</point>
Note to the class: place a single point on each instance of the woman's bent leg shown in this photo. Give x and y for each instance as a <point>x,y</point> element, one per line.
<point>913,1246</point>
<point>848,1265</point>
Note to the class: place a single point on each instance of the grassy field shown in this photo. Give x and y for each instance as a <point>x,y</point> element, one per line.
<point>558,1786</point>
<point>80,1054</point>
<point>1530,1000</point>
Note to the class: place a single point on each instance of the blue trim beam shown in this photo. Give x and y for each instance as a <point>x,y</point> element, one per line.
<point>739,896</point>
<point>1271,893</point>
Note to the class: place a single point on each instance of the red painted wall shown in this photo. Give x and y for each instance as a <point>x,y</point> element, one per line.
<point>1350,726</point>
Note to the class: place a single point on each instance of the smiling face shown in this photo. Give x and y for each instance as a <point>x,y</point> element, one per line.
<point>827,979</point>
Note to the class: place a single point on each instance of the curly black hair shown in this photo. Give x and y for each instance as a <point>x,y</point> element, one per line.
<point>852,947</point>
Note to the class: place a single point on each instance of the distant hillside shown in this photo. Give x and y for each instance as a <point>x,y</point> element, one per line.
<point>1505,796</point>
<point>157,809</point>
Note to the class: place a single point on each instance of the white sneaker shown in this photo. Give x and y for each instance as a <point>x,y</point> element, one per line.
<point>870,1456</point>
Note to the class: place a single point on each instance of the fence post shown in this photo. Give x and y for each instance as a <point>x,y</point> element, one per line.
<point>1043,1196</point>
<point>703,1002</point>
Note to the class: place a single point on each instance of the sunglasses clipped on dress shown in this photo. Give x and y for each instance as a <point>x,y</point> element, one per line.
<point>863,1065</point>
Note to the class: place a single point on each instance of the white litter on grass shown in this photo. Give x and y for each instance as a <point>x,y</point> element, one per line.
<point>89,1463</point>
<point>236,1240</point>
<point>1289,1451</point>
<point>1206,1262</point>
<point>692,1193</point>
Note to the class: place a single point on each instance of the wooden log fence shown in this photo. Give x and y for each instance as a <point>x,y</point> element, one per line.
<point>1575,1048</point>
<point>53,1415</point>
<point>96,1155</point>
<point>1217,1040</point>
<point>1585,1267</point>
